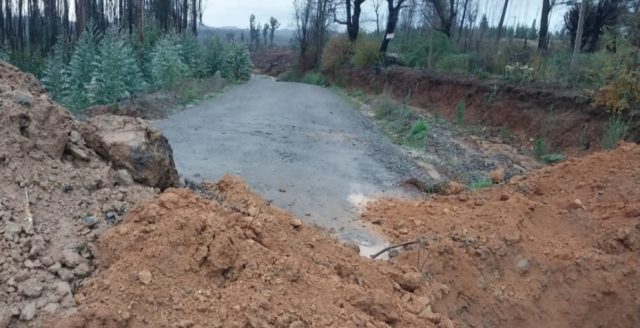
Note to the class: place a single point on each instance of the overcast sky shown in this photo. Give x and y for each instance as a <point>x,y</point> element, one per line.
<point>236,12</point>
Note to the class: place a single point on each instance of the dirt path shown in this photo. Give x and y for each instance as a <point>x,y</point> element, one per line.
<point>303,147</point>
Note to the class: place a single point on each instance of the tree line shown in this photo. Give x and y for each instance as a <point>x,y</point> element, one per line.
<point>456,19</point>
<point>29,27</point>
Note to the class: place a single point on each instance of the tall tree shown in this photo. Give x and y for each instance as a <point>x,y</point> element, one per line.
<point>393,12</point>
<point>446,11</point>
<point>353,10</point>
<point>376,10</point>
<point>543,37</point>
<point>501,23</point>
<point>273,26</point>
<point>464,15</point>
<point>265,34</point>
<point>580,28</point>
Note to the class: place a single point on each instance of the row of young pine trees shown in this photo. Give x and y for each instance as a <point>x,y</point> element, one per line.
<point>105,67</point>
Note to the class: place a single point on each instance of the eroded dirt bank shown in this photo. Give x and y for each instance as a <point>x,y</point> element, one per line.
<point>558,248</point>
<point>564,119</point>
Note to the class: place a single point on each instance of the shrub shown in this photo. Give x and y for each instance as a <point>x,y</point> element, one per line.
<point>454,63</point>
<point>615,132</point>
<point>366,52</point>
<point>314,78</point>
<point>116,73</point>
<point>192,55</point>
<point>214,53</point>
<point>518,73</point>
<point>337,52</point>
<point>167,65</point>
<point>416,50</point>
<point>238,64</point>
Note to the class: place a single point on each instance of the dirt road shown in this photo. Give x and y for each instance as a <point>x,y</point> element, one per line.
<point>301,146</point>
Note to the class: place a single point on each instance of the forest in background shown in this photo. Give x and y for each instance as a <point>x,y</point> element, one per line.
<point>453,36</point>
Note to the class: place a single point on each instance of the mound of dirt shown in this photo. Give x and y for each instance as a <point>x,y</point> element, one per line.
<point>56,195</point>
<point>561,246</point>
<point>235,261</point>
<point>134,145</point>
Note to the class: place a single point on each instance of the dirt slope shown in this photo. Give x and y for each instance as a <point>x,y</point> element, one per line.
<point>46,240</point>
<point>559,248</point>
<point>186,261</point>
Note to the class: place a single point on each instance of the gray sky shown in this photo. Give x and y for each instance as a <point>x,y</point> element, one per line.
<point>236,12</point>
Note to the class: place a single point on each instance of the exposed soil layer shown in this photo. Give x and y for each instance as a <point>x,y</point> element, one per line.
<point>559,248</point>
<point>183,260</point>
<point>566,120</point>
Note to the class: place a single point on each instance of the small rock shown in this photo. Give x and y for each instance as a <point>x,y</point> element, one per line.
<point>452,188</point>
<point>124,178</point>
<point>28,311</point>
<point>409,281</point>
<point>578,204</point>
<point>504,197</point>
<point>30,288</point>
<point>523,265</point>
<point>22,98</point>
<point>46,261</point>
<point>145,277</point>
<point>50,308</point>
<point>65,274</point>
<point>12,229</point>
<point>296,223</point>
<point>5,317</point>
<point>89,221</point>
<point>82,270</point>
<point>62,288</point>
<point>110,217</point>
<point>70,258</point>
<point>184,324</point>
<point>55,267</point>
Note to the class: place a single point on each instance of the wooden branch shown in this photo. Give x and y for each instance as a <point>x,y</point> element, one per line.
<point>394,247</point>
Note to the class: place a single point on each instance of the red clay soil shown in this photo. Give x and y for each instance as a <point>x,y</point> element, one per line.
<point>558,248</point>
<point>186,261</point>
<point>565,119</point>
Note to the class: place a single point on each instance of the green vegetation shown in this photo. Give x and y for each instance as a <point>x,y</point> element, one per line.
<point>616,131</point>
<point>366,52</point>
<point>460,110</point>
<point>481,184</point>
<point>103,69</point>
<point>314,78</point>
<point>401,123</point>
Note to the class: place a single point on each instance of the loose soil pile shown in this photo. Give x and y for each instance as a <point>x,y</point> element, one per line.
<point>559,248</point>
<point>56,195</point>
<point>186,261</point>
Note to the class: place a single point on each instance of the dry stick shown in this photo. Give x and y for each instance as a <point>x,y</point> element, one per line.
<point>393,247</point>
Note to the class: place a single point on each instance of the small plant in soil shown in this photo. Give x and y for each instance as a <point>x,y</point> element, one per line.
<point>615,132</point>
<point>418,133</point>
<point>481,184</point>
<point>461,108</point>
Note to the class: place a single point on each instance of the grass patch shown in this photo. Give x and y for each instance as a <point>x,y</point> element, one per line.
<point>461,108</point>
<point>418,133</point>
<point>400,122</point>
<point>314,78</point>
<point>615,132</point>
<point>483,183</point>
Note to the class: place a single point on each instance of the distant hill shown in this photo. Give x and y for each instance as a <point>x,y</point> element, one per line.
<point>233,33</point>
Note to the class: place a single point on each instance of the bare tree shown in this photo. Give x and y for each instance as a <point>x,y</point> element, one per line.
<point>543,38</point>
<point>376,10</point>
<point>353,10</point>
<point>446,11</point>
<point>273,26</point>
<point>501,23</point>
<point>312,24</point>
<point>578,42</point>
<point>392,21</point>
<point>464,15</point>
